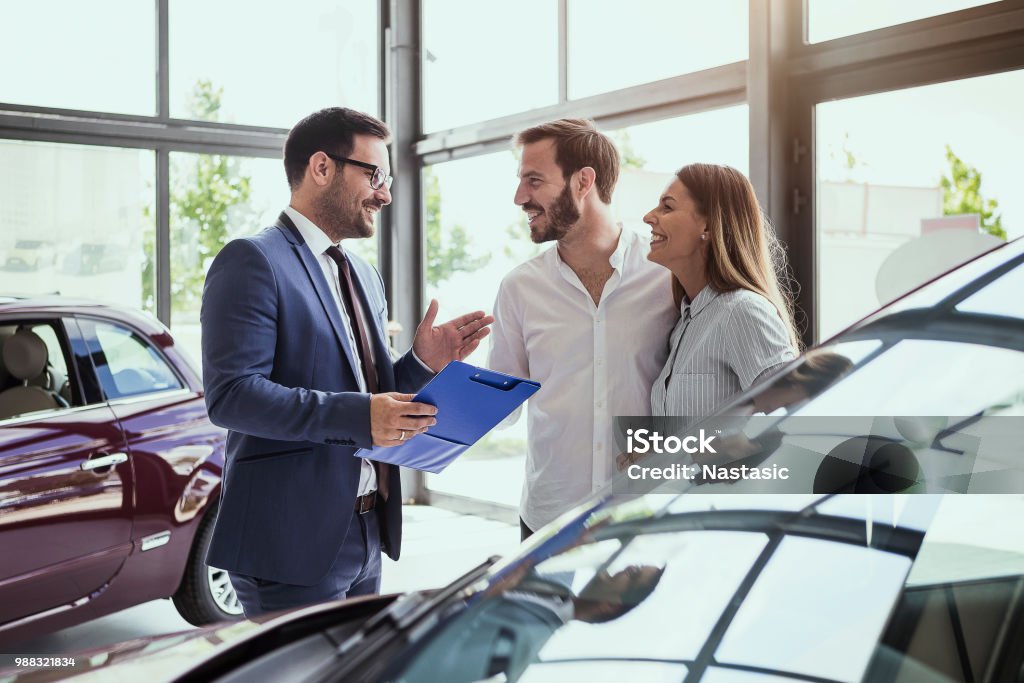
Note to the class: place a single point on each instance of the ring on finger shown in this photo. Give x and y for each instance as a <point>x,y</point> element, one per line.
<point>401,435</point>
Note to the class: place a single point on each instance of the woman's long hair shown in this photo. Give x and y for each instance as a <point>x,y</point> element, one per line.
<point>742,252</point>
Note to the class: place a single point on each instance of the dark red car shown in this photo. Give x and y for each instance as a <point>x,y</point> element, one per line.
<point>110,469</point>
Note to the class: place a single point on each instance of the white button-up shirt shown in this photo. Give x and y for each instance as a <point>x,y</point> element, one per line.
<point>318,243</point>
<point>593,361</point>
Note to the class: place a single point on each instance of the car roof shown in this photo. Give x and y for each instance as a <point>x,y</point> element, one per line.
<point>55,304</point>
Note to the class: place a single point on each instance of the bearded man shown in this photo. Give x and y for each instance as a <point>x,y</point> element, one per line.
<point>297,368</point>
<point>589,319</point>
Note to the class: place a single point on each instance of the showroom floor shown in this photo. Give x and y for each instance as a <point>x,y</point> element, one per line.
<point>437,546</point>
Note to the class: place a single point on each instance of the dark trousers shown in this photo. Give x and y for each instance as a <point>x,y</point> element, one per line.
<point>356,571</point>
<point>524,531</point>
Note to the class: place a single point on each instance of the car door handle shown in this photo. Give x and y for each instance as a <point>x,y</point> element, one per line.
<point>104,461</point>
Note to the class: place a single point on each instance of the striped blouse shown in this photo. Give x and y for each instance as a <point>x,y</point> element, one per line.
<point>722,343</point>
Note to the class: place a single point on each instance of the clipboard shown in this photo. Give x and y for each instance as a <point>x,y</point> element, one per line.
<point>470,402</point>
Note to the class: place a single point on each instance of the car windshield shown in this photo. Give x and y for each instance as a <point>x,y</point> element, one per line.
<point>28,244</point>
<point>737,588</point>
<point>706,585</point>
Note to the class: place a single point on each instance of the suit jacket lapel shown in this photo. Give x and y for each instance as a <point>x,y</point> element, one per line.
<point>316,276</point>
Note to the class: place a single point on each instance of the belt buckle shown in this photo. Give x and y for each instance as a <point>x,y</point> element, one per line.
<point>365,503</point>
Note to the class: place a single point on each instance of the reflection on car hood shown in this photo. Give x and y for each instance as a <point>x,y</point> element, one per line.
<point>166,657</point>
<point>169,656</point>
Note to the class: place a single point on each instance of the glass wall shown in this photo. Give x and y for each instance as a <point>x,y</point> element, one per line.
<point>828,19</point>
<point>273,63</point>
<point>82,218</point>
<point>58,54</point>
<point>614,45</point>
<point>909,184</point>
<point>77,220</point>
<point>474,235</point>
<point>652,152</point>
<point>214,198</point>
<point>463,82</point>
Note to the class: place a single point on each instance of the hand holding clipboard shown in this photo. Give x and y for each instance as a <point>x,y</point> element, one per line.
<point>470,402</point>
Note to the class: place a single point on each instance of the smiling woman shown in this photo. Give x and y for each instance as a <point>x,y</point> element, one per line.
<point>736,320</point>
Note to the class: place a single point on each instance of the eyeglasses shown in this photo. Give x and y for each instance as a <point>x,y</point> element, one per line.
<point>379,178</point>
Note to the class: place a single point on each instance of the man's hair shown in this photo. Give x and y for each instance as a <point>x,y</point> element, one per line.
<point>329,130</point>
<point>578,143</point>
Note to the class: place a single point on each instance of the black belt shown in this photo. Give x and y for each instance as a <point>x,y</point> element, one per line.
<point>366,503</point>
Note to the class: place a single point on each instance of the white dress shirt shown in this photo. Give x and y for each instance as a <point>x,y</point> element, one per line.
<point>318,243</point>
<point>593,361</point>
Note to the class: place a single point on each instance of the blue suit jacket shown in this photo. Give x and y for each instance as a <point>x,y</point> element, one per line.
<point>280,376</point>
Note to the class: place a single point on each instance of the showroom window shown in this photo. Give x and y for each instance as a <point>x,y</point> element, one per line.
<point>615,45</point>
<point>107,67</point>
<point>828,19</point>
<point>77,220</point>
<point>474,234</point>
<point>274,62</point>
<point>651,153</point>
<point>910,183</point>
<point>214,198</point>
<point>462,87</point>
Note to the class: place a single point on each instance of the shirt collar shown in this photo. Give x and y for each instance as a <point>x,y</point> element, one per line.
<point>700,302</point>
<point>626,239</point>
<point>315,238</point>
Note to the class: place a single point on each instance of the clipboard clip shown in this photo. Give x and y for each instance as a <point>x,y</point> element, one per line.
<point>500,382</point>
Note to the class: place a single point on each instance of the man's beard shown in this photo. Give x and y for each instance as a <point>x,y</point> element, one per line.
<point>561,217</point>
<point>339,219</point>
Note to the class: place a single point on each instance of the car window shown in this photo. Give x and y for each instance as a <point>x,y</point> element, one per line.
<point>963,379</point>
<point>1000,297</point>
<point>865,377</point>
<point>34,373</point>
<point>963,597</point>
<point>950,283</point>
<point>972,538</point>
<point>130,366</point>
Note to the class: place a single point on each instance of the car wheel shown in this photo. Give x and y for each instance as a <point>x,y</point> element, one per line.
<point>205,595</point>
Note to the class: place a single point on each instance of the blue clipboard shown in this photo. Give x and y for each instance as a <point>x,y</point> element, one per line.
<point>470,402</point>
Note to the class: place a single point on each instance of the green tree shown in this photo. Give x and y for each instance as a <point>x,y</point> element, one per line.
<point>519,246</point>
<point>961,194</point>
<point>629,157</point>
<point>446,254</point>
<point>209,193</point>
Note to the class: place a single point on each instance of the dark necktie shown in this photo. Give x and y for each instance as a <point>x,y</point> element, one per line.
<point>351,301</point>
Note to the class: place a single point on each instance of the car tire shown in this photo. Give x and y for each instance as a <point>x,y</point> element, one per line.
<point>205,595</point>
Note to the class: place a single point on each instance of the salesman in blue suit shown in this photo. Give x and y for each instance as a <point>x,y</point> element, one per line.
<point>297,368</point>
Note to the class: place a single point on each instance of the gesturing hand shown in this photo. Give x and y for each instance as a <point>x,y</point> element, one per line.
<point>438,345</point>
<point>395,418</point>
